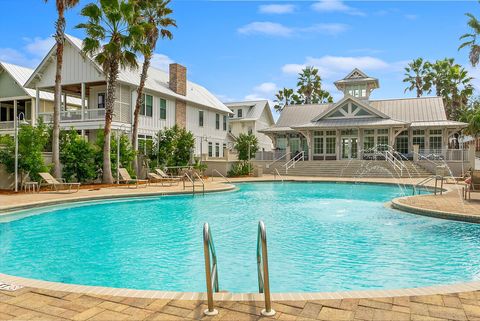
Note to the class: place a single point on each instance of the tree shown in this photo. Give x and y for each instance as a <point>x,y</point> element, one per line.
<point>471,116</point>
<point>112,32</point>
<point>247,146</point>
<point>78,157</point>
<point>173,147</point>
<point>62,6</point>
<point>416,74</point>
<point>127,153</point>
<point>31,144</point>
<point>284,98</point>
<point>310,87</point>
<point>154,16</point>
<point>471,40</point>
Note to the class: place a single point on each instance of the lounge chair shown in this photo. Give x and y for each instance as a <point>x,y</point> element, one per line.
<point>55,184</point>
<point>156,178</point>
<point>127,179</point>
<point>162,174</point>
<point>473,185</point>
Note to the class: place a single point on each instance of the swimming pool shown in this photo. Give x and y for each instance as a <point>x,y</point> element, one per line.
<point>321,237</point>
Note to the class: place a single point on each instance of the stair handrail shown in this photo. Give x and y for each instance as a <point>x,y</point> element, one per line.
<point>211,273</point>
<point>275,173</point>
<point>195,175</point>
<point>426,180</point>
<point>397,165</point>
<point>262,268</point>
<point>216,171</point>
<point>278,159</point>
<point>297,158</point>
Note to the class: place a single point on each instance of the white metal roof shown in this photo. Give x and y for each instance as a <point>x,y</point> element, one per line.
<point>256,108</point>
<point>158,81</point>
<point>412,109</point>
<point>22,74</point>
<point>351,122</point>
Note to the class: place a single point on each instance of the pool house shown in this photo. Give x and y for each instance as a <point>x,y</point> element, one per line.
<point>351,127</point>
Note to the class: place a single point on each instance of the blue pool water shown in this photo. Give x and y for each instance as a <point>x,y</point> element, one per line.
<point>321,237</point>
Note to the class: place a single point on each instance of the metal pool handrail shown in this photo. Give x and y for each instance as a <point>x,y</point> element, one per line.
<point>216,171</point>
<point>262,267</point>
<point>211,274</point>
<point>275,173</point>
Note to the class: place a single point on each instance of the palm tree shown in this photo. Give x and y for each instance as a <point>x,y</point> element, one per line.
<point>154,16</point>
<point>112,33</point>
<point>416,75</point>
<point>471,115</point>
<point>309,84</point>
<point>62,6</point>
<point>471,38</point>
<point>458,91</point>
<point>284,98</point>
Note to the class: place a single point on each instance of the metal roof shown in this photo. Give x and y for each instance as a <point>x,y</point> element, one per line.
<point>22,74</point>
<point>351,122</point>
<point>412,109</point>
<point>438,123</point>
<point>256,108</point>
<point>158,81</point>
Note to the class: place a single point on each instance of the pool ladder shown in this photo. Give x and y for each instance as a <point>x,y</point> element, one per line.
<point>211,274</point>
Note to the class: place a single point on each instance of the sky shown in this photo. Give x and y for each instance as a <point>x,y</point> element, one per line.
<point>246,50</point>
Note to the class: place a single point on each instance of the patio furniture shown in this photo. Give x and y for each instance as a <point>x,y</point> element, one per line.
<point>127,179</point>
<point>162,174</point>
<point>473,184</point>
<point>156,178</point>
<point>55,184</point>
<point>31,187</point>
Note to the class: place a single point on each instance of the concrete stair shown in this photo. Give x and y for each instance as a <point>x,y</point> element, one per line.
<point>353,168</point>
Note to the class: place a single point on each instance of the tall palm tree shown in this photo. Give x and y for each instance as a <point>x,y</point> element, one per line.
<point>62,6</point>
<point>112,31</point>
<point>284,98</point>
<point>154,16</point>
<point>471,39</point>
<point>459,90</point>
<point>309,84</point>
<point>416,75</point>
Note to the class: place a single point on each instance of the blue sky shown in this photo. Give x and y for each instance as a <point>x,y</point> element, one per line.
<point>250,49</point>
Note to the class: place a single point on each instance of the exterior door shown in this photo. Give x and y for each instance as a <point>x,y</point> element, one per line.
<point>349,147</point>
<point>294,146</point>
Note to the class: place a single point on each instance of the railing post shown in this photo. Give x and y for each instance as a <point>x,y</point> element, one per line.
<point>262,257</point>
<point>208,273</point>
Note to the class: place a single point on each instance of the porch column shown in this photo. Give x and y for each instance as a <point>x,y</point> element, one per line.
<point>338,148</point>
<point>37,105</point>
<point>360,143</point>
<point>83,99</point>
<point>15,110</point>
<point>310,145</point>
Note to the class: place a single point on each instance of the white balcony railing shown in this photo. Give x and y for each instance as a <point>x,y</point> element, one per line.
<point>75,115</point>
<point>8,125</point>
<point>443,154</point>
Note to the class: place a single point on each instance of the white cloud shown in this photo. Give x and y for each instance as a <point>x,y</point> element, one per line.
<point>266,87</point>
<point>336,6</point>
<point>266,28</point>
<point>279,30</point>
<point>161,61</point>
<point>263,91</point>
<point>277,8</point>
<point>411,16</point>
<point>39,46</point>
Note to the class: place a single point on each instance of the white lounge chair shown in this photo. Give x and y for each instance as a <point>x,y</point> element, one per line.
<point>127,179</point>
<point>55,184</point>
<point>162,174</point>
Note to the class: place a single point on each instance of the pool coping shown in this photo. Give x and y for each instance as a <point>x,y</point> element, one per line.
<point>227,296</point>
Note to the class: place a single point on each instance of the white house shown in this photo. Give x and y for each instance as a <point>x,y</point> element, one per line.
<point>248,117</point>
<point>17,100</point>
<point>169,99</point>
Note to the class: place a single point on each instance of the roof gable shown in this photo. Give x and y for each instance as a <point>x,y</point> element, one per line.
<point>350,107</point>
<point>12,78</point>
<point>255,109</point>
<point>355,74</point>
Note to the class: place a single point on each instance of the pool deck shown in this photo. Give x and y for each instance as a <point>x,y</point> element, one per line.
<point>40,301</point>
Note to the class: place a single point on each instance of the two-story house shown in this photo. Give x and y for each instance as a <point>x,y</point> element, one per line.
<point>169,99</point>
<point>248,117</point>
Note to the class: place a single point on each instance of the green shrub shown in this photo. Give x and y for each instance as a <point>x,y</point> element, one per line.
<point>244,144</point>
<point>77,157</point>
<point>240,169</point>
<point>31,144</point>
<point>173,147</point>
<point>127,154</point>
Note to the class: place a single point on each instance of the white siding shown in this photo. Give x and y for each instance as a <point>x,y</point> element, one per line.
<point>75,69</point>
<point>263,140</point>
<point>208,130</point>
<point>122,108</point>
<point>151,125</point>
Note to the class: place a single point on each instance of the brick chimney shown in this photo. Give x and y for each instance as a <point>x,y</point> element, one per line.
<point>178,79</point>
<point>178,83</point>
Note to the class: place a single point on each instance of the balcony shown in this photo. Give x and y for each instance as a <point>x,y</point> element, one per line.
<point>75,115</point>
<point>8,125</point>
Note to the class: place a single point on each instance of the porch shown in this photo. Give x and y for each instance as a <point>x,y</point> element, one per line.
<point>10,109</point>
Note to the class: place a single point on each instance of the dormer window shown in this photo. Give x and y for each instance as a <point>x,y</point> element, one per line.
<point>240,113</point>
<point>357,91</point>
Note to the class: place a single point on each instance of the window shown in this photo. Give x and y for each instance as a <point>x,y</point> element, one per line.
<point>224,147</point>
<point>224,123</point>
<point>200,118</point>
<point>368,142</point>
<point>101,101</point>
<point>419,138</point>
<point>382,143</point>
<point>232,115</point>
<point>383,131</point>
<point>145,144</point>
<point>281,143</point>
<point>401,143</point>
<point>210,149</point>
<point>240,113</point>
<point>163,108</point>
<point>217,121</point>
<point>217,150</point>
<point>147,106</point>
<point>330,144</point>
<point>435,139</point>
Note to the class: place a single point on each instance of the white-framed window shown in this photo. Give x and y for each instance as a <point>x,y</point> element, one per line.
<point>401,143</point>
<point>418,138</point>
<point>200,118</point>
<point>224,123</point>
<point>101,101</point>
<point>217,149</point>
<point>163,108</point>
<point>210,149</point>
<point>240,113</point>
<point>145,144</point>
<point>318,142</point>
<point>368,139</point>
<point>435,139</point>
<point>330,141</point>
<point>147,106</point>
<point>217,121</point>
